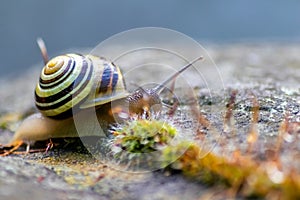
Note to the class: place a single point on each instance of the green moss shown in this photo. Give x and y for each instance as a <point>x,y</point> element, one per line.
<point>241,173</point>
<point>143,136</point>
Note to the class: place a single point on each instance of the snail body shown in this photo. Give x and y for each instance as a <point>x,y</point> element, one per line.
<point>75,86</point>
<point>38,127</point>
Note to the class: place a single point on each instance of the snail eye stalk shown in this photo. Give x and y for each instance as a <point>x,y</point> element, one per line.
<point>43,49</point>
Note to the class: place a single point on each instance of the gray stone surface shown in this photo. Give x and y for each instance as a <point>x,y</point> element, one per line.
<point>269,71</point>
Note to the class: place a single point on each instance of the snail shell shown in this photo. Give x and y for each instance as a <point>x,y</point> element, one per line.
<point>72,82</point>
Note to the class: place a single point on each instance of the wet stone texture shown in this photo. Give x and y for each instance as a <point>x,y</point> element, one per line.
<point>269,72</point>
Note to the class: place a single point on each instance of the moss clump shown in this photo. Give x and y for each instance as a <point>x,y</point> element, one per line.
<point>143,136</point>
<point>241,173</point>
<point>187,157</point>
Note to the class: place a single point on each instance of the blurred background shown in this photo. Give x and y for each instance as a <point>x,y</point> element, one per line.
<point>69,24</point>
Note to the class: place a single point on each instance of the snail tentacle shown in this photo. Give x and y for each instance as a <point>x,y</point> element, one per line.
<point>43,49</point>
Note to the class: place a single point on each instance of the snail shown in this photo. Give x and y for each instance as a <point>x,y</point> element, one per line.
<point>75,86</point>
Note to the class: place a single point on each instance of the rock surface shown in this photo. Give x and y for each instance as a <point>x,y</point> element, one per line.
<point>271,72</point>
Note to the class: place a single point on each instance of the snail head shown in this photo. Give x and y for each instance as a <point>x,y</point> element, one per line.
<point>144,101</point>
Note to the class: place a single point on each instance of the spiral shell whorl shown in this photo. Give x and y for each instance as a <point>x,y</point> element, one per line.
<point>71,82</point>
<point>64,84</point>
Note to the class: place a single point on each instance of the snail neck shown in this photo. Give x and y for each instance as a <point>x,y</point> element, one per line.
<point>144,101</point>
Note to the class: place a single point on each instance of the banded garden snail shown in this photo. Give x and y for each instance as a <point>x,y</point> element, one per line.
<point>74,86</point>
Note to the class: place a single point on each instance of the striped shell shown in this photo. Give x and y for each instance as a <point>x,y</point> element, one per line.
<point>72,82</point>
